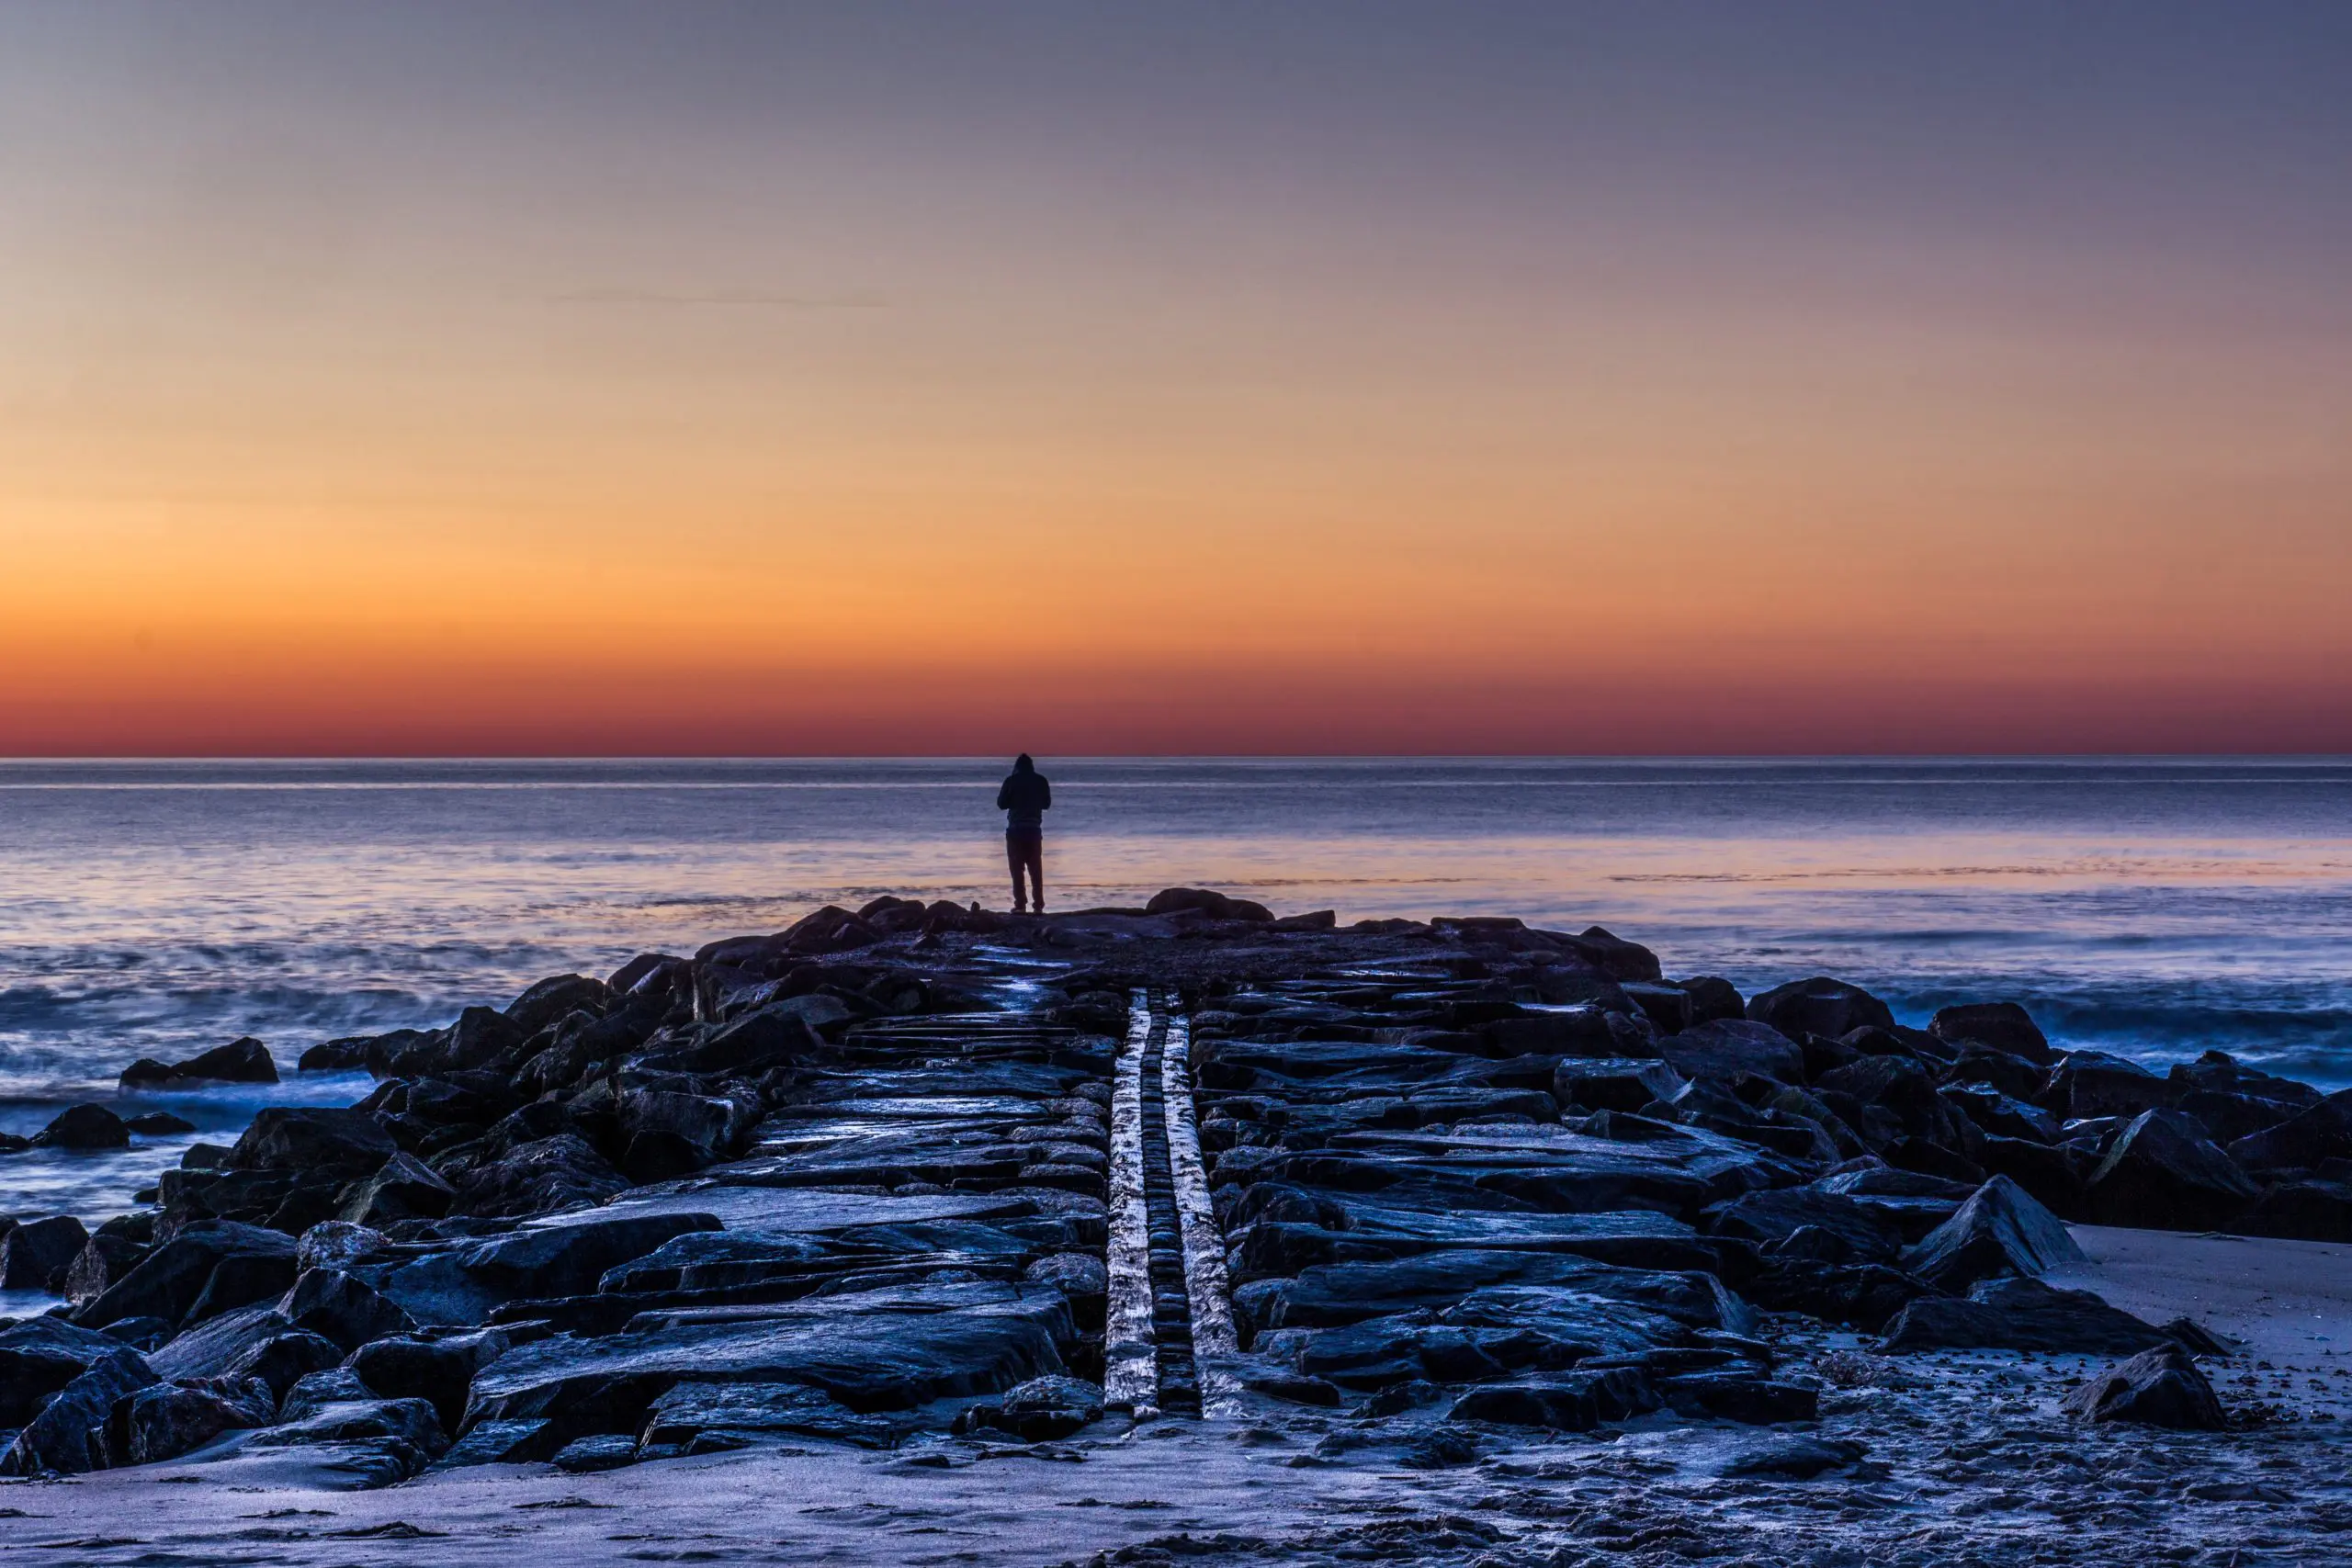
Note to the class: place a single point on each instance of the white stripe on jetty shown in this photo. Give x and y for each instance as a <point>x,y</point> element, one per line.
<point>1214,1346</point>
<point>1130,1367</point>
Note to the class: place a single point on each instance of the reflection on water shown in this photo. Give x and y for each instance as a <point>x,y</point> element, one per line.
<point>2154,908</point>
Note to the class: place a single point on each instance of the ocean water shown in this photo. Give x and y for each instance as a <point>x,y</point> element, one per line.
<point>2154,908</point>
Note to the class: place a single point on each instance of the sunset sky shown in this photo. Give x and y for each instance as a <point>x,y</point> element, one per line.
<point>882,378</point>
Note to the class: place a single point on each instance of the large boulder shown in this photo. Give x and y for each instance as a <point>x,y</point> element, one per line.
<point>2324,1132</point>
<point>315,1141</point>
<point>1732,1049</point>
<point>403,1188</point>
<point>102,1263</point>
<point>1202,901</point>
<point>1712,999</point>
<point>1999,1231</point>
<point>1041,1410</point>
<point>544,1177</point>
<point>68,1434</point>
<point>173,1280</point>
<point>699,1418</point>
<point>2300,1210</point>
<point>2021,1314</point>
<point>337,1306</point>
<point>556,999</point>
<point>2003,1026</point>
<point>2163,1173</point>
<point>84,1127</point>
<point>2159,1387</point>
<point>39,1356</point>
<point>239,1061</point>
<point>1819,1006</point>
<point>2089,1084</point>
<point>1613,1083</point>
<point>163,1421</point>
<point>33,1254</point>
<point>440,1372</point>
<point>283,1360</point>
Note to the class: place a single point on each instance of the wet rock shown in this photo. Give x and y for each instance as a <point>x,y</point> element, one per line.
<point>84,1127</point>
<point>1819,1006</point>
<point>873,1350</point>
<point>1774,1216</point>
<point>1999,1231</point>
<point>570,1260</point>
<point>338,1244</point>
<point>1041,1410</point>
<point>2303,1141</point>
<point>286,1359</point>
<point>586,1456</point>
<point>2001,1026</point>
<point>701,1416</point>
<point>403,1188</point>
<point>2021,1313</point>
<point>439,1371</point>
<point>1738,1396</point>
<point>316,1141</point>
<point>338,1307</point>
<point>1670,1007</point>
<point>504,1442</point>
<point>2163,1173</point>
<point>1795,1459</point>
<point>166,1420</point>
<point>1294,1388</point>
<point>2088,1084</point>
<point>547,1177</point>
<point>39,1356</point>
<point>2052,1174</point>
<point>1863,1296</point>
<point>1606,1084</point>
<point>1981,1067</point>
<point>2159,1387</point>
<point>67,1435</point>
<point>1081,1279</point>
<point>405,1430</point>
<point>1713,999</point>
<point>38,1251</point>
<point>313,1392</point>
<point>1609,953</point>
<point>1731,1049</point>
<point>2229,1117</point>
<point>1200,901</point>
<point>555,997</point>
<point>212,1348</point>
<point>2003,1115</point>
<point>2300,1210</point>
<point>1574,1402</point>
<point>1339,1294</point>
<point>158,1124</point>
<point>240,1061</point>
<point>172,1281</point>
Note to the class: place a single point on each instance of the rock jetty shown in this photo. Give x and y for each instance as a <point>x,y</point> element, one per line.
<point>914,1170</point>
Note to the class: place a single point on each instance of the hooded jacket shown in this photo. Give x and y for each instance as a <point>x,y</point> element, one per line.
<point>1025,797</point>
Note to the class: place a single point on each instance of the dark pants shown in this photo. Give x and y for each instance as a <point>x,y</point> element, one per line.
<point>1025,850</point>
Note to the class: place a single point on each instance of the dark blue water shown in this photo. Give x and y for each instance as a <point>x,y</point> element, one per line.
<point>2155,908</point>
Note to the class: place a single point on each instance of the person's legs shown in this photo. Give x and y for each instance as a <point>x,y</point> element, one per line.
<point>1016,859</point>
<point>1035,851</point>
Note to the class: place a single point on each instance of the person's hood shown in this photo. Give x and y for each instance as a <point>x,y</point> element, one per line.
<point>1021,764</point>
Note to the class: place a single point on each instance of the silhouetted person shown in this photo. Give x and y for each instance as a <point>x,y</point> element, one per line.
<point>1025,799</point>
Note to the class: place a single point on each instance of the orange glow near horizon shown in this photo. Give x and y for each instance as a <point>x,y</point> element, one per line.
<point>326,429</point>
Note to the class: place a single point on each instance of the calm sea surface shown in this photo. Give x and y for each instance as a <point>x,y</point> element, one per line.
<point>2152,908</point>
